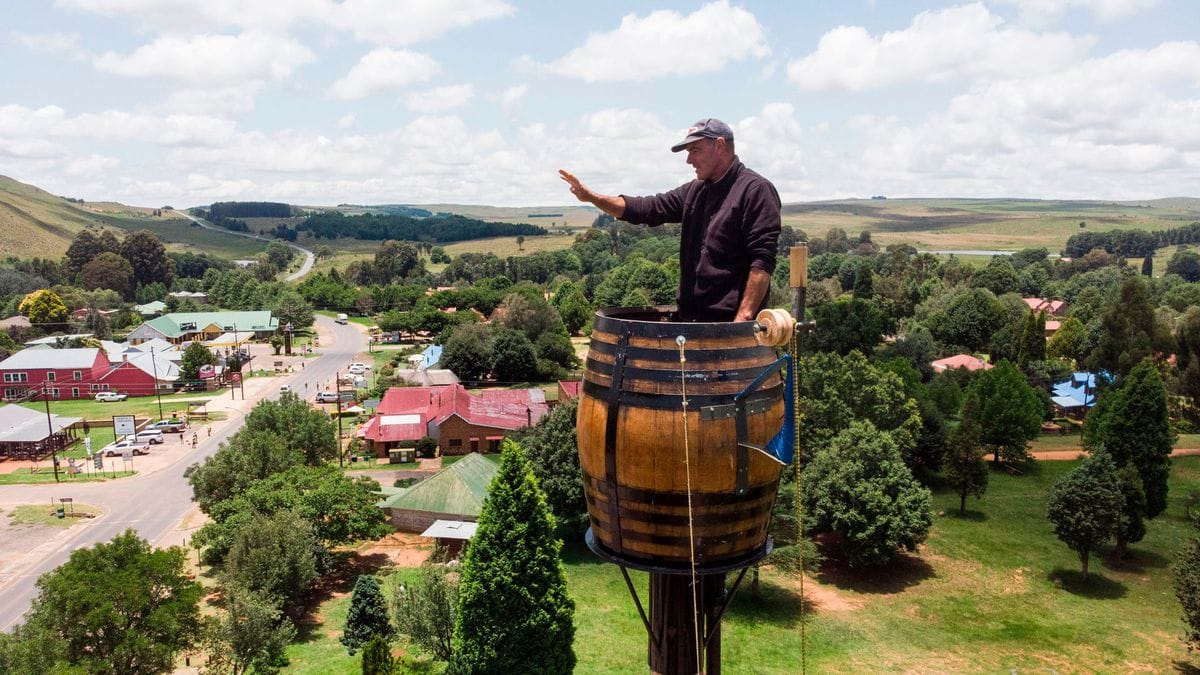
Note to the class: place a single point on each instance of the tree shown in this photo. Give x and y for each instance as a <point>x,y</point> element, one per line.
<point>1186,572</point>
<point>520,243</point>
<point>81,251</point>
<point>1010,412</point>
<point>514,613</point>
<point>279,255</point>
<point>44,308</point>
<point>513,356</point>
<point>274,556</point>
<point>859,488</point>
<point>250,634</point>
<point>1129,330</point>
<point>377,657</point>
<point>1132,423</point>
<point>291,307</point>
<point>849,324</point>
<point>967,317</point>
<point>195,355</point>
<point>468,352</point>
<point>368,616</point>
<point>1069,341</point>
<point>148,258</point>
<point>966,471</point>
<point>427,611</point>
<point>1148,265</point>
<point>554,457</point>
<point>575,311</point>
<point>1085,506</point>
<point>1186,264</point>
<point>120,607</point>
<point>108,270</point>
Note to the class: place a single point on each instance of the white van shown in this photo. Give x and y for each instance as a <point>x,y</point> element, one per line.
<point>342,319</point>
<point>153,436</point>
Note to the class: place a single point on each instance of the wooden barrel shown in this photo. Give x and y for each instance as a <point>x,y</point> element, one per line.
<point>632,440</point>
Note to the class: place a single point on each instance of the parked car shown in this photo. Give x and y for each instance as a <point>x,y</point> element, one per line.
<point>342,319</point>
<point>357,369</point>
<point>151,436</point>
<point>327,397</point>
<point>111,396</point>
<point>118,448</point>
<point>284,388</point>
<point>359,364</point>
<point>169,426</point>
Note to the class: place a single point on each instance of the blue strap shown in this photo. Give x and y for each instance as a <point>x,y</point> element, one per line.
<point>782,446</point>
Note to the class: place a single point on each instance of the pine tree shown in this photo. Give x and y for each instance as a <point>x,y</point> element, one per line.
<point>1131,421</point>
<point>368,616</point>
<point>514,614</point>
<point>1085,506</point>
<point>377,657</point>
<point>966,470</point>
<point>1187,588</point>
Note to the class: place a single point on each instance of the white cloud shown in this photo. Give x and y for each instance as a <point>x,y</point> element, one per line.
<point>440,99</point>
<point>1046,12</point>
<point>170,15</point>
<point>509,98</point>
<point>384,69</point>
<point>666,43</point>
<point>50,43</point>
<point>92,166</point>
<point>211,60</point>
<point>346,121</point>
<point>406,22</point>
<point>217,101</point>
<point>113,125</point>
<point>1107,126</point>
<point>941,45</point>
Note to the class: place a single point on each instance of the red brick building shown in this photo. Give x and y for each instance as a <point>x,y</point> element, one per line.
<point>460,422</point>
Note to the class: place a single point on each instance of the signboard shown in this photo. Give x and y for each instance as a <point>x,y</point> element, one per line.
<point>98,462</point>
<point>123,425</point>
<point>237,377</point>
<point>87,443</point>
<point>127,455</point>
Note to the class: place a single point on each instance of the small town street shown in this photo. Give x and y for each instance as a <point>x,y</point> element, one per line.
<point>158,499</point>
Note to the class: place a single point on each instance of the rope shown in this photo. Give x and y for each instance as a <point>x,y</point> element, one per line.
<point>687,469</point>
<point>794,347</point>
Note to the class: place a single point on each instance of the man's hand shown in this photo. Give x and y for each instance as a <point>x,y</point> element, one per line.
<point>757,286</point>
<point>613,206</point>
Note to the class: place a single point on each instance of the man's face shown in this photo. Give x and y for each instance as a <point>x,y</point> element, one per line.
<point>707,156</point>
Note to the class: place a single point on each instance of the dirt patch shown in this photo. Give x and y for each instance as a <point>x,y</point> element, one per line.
<point>401,548</point>
<point>821,598</point>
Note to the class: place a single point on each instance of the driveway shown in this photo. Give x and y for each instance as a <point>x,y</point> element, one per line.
<point>157,500</point>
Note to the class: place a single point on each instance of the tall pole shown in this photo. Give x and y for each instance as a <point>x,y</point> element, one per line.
<point>337,383</point>
<point>157,390</point>
<point>50,428</point>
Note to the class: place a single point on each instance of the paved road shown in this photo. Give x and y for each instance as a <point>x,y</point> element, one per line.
<point>153,503</point>
<point>309,258</point>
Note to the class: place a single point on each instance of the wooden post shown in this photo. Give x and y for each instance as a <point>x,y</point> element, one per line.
<point>798,263</point>
<point>674,626</point>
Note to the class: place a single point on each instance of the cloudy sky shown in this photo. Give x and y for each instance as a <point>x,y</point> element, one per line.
<point>185,102</point>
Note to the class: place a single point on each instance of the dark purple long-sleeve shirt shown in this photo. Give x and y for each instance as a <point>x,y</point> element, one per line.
<point>729,226</point>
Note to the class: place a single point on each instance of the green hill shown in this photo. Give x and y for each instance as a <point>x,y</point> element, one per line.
<point>34,222</point>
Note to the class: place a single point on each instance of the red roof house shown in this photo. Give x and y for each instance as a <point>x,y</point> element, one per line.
<point>1052,307</point>
<point>64,373</point>
<point>459,421</point>
<point>960,361</point>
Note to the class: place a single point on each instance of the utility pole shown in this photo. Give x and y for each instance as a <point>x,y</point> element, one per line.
<point>337,382</point>
<point>50,428</point>
<point>157,390</point>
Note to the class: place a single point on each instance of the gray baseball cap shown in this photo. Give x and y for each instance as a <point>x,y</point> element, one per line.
<point>709,127</point>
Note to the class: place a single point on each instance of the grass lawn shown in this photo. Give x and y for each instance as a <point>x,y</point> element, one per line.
<point>45,475</point>
<point>990,591</point>
<point>43,514</point>
<point>141,406</point>
<point>1055,442</point>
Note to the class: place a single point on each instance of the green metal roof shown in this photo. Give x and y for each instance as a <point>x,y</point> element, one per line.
<point>169,324</point>
<point>458,489</point>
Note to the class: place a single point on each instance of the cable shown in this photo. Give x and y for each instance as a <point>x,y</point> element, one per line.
<point>687,470</point>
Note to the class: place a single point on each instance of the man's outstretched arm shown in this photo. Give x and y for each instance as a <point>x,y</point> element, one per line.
<point>757,287</point>
<point>612,205</point>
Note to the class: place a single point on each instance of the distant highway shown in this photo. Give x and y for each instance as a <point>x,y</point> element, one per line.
<point>309,258</point>
<point>152,503</point>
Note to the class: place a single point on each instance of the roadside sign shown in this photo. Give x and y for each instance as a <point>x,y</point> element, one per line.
<point>98,462</point>
<point>87,443</point>
<point>124,425</point>
<point>127,455</point>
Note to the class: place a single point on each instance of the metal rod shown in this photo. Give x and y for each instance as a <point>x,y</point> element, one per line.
<point>50,428</point>
<point>638,601</point>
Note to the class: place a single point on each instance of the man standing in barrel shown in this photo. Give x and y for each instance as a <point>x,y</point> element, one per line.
<point>730,218</point>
